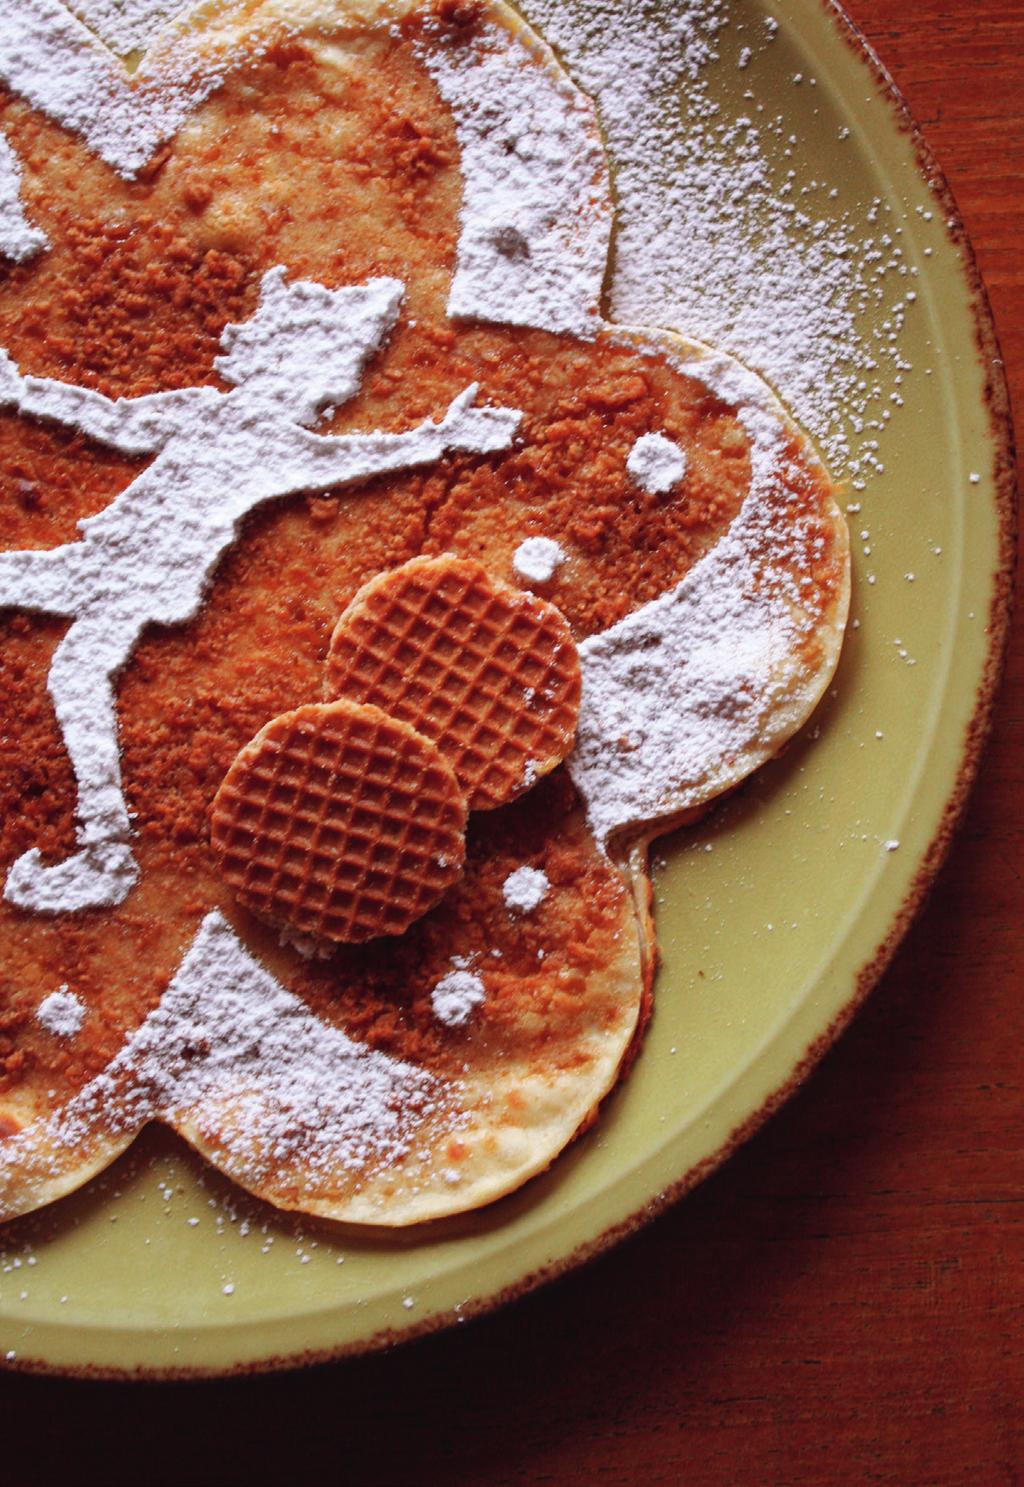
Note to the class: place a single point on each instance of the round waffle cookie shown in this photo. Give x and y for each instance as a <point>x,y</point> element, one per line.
<point>487,672</point>
<point>340,822</point>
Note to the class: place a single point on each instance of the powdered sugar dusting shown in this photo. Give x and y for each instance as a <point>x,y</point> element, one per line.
<point>308,946</point>
<point>536,214</point>
<point>537,559</point>
<point>230,1051</point>
<point>61,1013</point>
<point>51,59</point>
<point>656,463</point>
<point>19,240</point>
<point>712,240</point>
<point>525,889</point>
<point>681,687</point>
<point>456,996</point>
<point>99,874</point>
<point>127,25</point>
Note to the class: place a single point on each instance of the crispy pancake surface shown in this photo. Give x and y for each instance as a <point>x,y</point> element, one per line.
<point>331,147</point>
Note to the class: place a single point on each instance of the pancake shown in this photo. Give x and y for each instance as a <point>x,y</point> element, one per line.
<point>414,204</point>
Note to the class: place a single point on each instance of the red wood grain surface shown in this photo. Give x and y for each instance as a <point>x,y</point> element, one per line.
<point>844,1302</point>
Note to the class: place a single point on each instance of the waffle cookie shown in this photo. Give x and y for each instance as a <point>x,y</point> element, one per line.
<point>269,341</point>
<point>340,822</point>
<point>489,673</point>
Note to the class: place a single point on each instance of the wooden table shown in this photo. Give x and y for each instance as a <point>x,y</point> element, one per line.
<point>844,1302</point>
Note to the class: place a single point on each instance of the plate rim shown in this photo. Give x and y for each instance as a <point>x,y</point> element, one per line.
<point>1000,434</point>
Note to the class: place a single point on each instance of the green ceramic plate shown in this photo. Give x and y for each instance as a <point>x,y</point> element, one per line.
<point>770,938</point>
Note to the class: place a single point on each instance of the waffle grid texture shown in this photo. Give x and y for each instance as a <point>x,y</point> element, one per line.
<point>488,673</point>
<point>341,822</point>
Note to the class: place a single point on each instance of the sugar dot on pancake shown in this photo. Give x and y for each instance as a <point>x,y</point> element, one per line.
<point>656,463</point>
<point>537,559</point>
<point>61,1013</point>
<point>487,672</point>
<point>525,889</point>
<point>340,822</point>
<point>456,996</point>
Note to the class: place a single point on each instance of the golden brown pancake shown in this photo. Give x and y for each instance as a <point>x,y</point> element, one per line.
<point>329,150</point>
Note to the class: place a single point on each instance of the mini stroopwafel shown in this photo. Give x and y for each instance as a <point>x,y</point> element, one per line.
<point>487,672</point>
<point>340,822</point>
